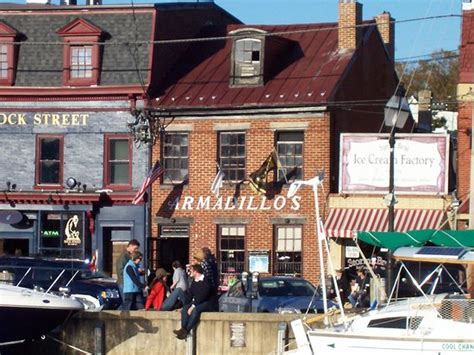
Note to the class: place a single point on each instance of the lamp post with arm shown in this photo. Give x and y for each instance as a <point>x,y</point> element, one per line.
<point>396,112</point>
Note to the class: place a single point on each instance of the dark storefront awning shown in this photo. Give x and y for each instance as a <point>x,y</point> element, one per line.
<point>416,238</point>
<point>345,222</point>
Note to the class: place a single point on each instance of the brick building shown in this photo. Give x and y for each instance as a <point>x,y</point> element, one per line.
<point>69,78</point>
<point>292,88</point>
<point>465,96</point>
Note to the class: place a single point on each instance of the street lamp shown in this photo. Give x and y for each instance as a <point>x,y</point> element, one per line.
<point>397,111</point>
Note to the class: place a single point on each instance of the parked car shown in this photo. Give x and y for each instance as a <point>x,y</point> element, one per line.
<point>72,276</point>
<point>283,294</point>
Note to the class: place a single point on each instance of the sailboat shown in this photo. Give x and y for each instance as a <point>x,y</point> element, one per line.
<point>430,324</point>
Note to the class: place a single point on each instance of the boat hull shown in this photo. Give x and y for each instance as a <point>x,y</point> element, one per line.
<point>325,343</point>
<point>20,324</point>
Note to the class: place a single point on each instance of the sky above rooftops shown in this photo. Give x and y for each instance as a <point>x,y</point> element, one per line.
<point>413,39</point>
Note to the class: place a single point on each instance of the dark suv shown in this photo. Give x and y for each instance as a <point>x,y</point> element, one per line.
<point>72,275</point>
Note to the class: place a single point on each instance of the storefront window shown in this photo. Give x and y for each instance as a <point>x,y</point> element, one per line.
<point>231,250</point>
<point>62,234</point>
<point>287,258</point>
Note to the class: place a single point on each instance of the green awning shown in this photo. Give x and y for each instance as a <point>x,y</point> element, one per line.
<point>416,238</point>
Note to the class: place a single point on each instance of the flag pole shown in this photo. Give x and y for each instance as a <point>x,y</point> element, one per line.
<point>279,166</point>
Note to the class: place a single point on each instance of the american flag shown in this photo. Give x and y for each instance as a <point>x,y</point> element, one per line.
<point>153,174</point>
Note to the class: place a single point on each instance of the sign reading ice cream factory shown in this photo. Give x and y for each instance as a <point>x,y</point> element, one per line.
<point>420,163</point>
<point>44,119</point>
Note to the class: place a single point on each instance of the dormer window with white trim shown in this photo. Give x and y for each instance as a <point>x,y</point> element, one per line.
<point>247,59</point>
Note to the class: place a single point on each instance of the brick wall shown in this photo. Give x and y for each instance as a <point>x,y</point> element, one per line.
<point>259,143</point>
<point>466,96</point>
<point>350,14</point>
<point>387,32</point>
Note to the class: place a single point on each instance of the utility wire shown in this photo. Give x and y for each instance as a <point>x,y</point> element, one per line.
<point>221,38</point>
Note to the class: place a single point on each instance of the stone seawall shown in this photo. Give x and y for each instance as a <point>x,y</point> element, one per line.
<point>140,332</point>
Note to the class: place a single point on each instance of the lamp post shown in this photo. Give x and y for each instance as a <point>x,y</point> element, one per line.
<point>397,111</point>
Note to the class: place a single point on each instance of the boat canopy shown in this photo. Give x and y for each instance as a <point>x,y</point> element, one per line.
<point>417,238</point>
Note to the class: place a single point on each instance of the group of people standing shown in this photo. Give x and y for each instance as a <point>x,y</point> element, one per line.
<point>193,290</point>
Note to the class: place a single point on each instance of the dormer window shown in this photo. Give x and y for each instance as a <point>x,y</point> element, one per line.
<point>247,60</point>
<point>81,53</point>
<point>8,56</point>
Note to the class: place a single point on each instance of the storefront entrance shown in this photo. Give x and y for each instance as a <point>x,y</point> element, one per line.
<point>173,244</point>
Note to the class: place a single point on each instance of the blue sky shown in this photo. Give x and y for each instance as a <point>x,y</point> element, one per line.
<point>412,39</point>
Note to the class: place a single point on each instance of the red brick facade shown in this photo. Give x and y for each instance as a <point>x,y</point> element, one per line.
<point>323,103</point>
<point>465,96</point>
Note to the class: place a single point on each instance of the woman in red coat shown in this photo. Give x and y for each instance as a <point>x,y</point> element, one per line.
<point>157,290</point>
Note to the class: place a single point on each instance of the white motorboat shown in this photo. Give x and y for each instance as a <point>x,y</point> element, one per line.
<point>431,324</point>
<point>26,314</point>
<point>436,324</point>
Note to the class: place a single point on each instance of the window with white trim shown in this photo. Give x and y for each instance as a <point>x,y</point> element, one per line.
<point>231,249</point>
<point>232,155</point>
<point>288,247</point>
<point>289,146</point>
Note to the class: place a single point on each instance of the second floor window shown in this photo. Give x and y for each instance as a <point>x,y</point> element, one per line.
<point>118,161</point>
<point>175,157</point>
<point>3,61</point>
<point>232,155</point>
<point>290,151</point>
<point>81,62</point>
<point>49,160</point>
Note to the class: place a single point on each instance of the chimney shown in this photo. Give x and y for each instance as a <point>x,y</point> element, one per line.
<point>68,2</point>
<point>467,5</point>
<point>350,15</point>
<point>386,27</point>
<point>93,2</point>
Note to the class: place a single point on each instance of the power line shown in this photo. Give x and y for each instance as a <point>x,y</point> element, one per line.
<point>222,38</point>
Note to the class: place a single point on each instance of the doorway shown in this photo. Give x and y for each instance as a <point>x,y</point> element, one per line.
<point>171,249</point>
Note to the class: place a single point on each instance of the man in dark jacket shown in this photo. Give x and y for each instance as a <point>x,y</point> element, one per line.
<point>122,260</point>
<point>199,300</point>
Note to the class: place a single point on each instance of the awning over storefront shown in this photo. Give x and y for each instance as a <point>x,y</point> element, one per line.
<point>416,238</point>
<point>344,222</point>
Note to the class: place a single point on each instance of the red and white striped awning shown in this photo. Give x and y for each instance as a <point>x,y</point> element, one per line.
<point>344,222</point>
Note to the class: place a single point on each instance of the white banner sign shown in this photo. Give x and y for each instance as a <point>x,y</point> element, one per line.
<point>421,163</point>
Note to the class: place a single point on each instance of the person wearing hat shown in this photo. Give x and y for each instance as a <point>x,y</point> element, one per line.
<point>341,284</point>
<point>157,290</point>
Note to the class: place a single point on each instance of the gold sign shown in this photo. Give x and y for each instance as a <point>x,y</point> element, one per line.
<point>44,119</point>
<point>71,231</point>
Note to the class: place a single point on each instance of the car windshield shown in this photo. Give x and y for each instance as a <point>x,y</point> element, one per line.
<point>285,287</point>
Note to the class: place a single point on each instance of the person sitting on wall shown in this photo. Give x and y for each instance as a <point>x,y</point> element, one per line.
<point>157,290</point>
<point>199,300</point>
<point>132,286</point>
<point>178,288</point>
